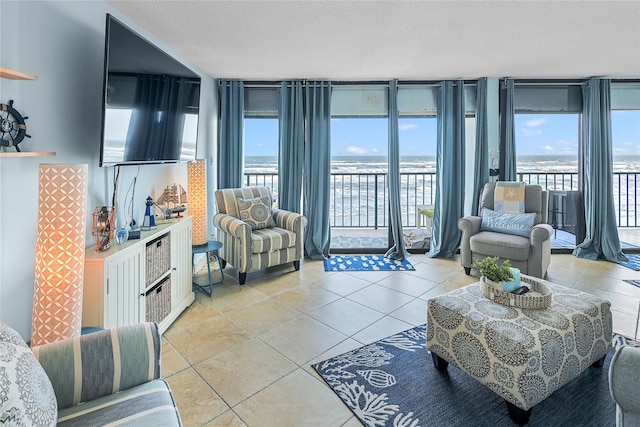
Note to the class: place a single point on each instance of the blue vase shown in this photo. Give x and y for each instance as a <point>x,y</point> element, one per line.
<point>513,284</point>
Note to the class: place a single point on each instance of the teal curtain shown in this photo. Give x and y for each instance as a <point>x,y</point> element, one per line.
<point>450,171</point>
<point>230,134</point>
<point>602,240</point>
<point>291,147</point>
<point>317,169</point>
<point>507,133</point>
<point>481,167</point>
<point>397,249</point>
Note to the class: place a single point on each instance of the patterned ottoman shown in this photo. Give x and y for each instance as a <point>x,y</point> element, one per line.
<point>523,355</point>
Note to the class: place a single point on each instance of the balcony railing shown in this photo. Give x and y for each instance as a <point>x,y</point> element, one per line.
<point>361,199</point>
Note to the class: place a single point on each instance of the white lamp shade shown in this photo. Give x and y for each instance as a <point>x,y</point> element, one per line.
<point>197,197</point>
<point>60,246</point>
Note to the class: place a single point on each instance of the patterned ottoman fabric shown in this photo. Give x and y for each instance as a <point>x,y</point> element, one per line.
<point>523,355</point>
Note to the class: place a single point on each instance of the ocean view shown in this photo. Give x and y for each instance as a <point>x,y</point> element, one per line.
<point>375,164</point>
<point>359,195</point>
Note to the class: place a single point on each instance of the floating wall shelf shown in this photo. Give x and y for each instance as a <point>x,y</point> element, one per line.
<point>27,154</point>
<point>15,75</point>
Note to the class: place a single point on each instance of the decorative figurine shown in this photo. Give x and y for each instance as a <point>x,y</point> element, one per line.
<point>149,218</point>
<point>103,227</point>
<point>12,126</point>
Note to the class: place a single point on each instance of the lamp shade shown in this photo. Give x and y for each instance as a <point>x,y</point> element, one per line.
<point>197,175</point>
<point>60,246</point>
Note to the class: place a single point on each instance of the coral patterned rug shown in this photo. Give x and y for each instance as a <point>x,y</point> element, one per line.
<point>393,382</point>
<point>633,282</point>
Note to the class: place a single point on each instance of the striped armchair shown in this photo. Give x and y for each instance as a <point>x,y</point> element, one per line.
<point>256,243</point>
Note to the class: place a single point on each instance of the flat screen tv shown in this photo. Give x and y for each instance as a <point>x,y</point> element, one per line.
<point>151,102</point>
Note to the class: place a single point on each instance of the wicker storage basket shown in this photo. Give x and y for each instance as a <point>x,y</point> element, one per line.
<point>158,301</point>
<point>540,300</point>
<point>158,258</point>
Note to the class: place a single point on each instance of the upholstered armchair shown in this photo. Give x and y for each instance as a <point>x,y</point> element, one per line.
<point>624,375</point>
<point>530,251</point>
<point>255,235</point>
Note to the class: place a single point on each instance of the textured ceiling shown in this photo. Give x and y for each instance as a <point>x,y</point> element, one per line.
<point>409,40</point>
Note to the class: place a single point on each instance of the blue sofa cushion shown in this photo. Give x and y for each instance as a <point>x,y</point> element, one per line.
<point>517,224</point>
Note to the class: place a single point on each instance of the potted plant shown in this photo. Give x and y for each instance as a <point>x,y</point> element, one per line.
<point>492,273</point>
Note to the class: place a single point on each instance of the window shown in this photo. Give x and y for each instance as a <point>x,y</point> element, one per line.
<point>625,134</point>
<point>261,151</point>
<point>547,136</point>
<point>261,137</point>
<point>547,149</point>
<point>418,141</point>
<point>359,212</point>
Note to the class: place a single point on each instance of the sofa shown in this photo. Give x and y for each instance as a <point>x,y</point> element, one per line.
<point>109,376</point>
<point>253,233</point>
<point>624,376</point>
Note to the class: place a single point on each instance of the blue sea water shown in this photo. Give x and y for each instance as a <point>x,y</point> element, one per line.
<point>359,194</point>
<point>373,164</point>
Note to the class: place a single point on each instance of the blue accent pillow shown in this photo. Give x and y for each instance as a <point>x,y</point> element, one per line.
<point>518,224</point>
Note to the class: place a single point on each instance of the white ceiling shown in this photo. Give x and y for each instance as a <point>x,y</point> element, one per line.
<point>408,40</point>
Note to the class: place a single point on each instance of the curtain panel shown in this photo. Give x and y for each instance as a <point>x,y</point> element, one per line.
<point>450,170</point>
<point>481,166</point>
<point>291,146</point>
<point>317,169</point>
<point>507,132</point>
<point>602,240</point>
<point>230,134</point>
<point>397,250</point>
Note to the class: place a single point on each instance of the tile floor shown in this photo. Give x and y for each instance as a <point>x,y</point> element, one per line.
<point>244,355</point>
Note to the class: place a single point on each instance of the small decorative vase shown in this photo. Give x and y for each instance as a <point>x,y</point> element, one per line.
<point>121,236</point>
<point>512,285</point>
<point>497,285</point>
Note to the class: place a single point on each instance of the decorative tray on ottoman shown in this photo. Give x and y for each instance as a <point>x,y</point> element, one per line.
<point>539,296</point>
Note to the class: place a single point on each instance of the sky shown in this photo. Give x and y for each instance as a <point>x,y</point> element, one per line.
<point>539,134</point>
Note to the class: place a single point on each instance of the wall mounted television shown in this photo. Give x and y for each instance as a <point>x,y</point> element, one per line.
<point>150,102</point>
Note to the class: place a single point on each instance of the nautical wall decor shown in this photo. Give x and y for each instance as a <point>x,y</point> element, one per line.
<point>12,126</point>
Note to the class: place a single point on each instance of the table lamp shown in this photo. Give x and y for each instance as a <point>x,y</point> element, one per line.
<point>197,175</point>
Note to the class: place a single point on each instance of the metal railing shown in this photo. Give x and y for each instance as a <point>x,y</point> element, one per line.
<point>625,191</point>
<point>360,200</point>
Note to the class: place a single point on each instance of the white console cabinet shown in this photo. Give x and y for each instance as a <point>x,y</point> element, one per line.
<point>148,279</point>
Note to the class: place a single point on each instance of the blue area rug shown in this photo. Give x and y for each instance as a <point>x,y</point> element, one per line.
<point>633,263</point>
<point>393,382</point>
<point>633,282</point>
<point>365,263</point>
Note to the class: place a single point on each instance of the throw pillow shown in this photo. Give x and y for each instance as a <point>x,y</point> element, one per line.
<point>256,212</point>
<point>518,224</point>
<point>508,197</point>
<point>26,393</point>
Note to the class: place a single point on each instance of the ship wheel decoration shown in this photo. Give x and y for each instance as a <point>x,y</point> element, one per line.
<point>12,126</point>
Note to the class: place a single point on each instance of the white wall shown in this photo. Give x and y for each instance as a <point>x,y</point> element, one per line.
<point>62,43</point>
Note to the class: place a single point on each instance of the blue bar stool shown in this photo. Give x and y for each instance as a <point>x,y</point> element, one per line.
<point>210,249</point>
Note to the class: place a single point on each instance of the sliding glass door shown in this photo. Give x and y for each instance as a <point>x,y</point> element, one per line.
<point>359,196</point>
<point>547,151</point>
